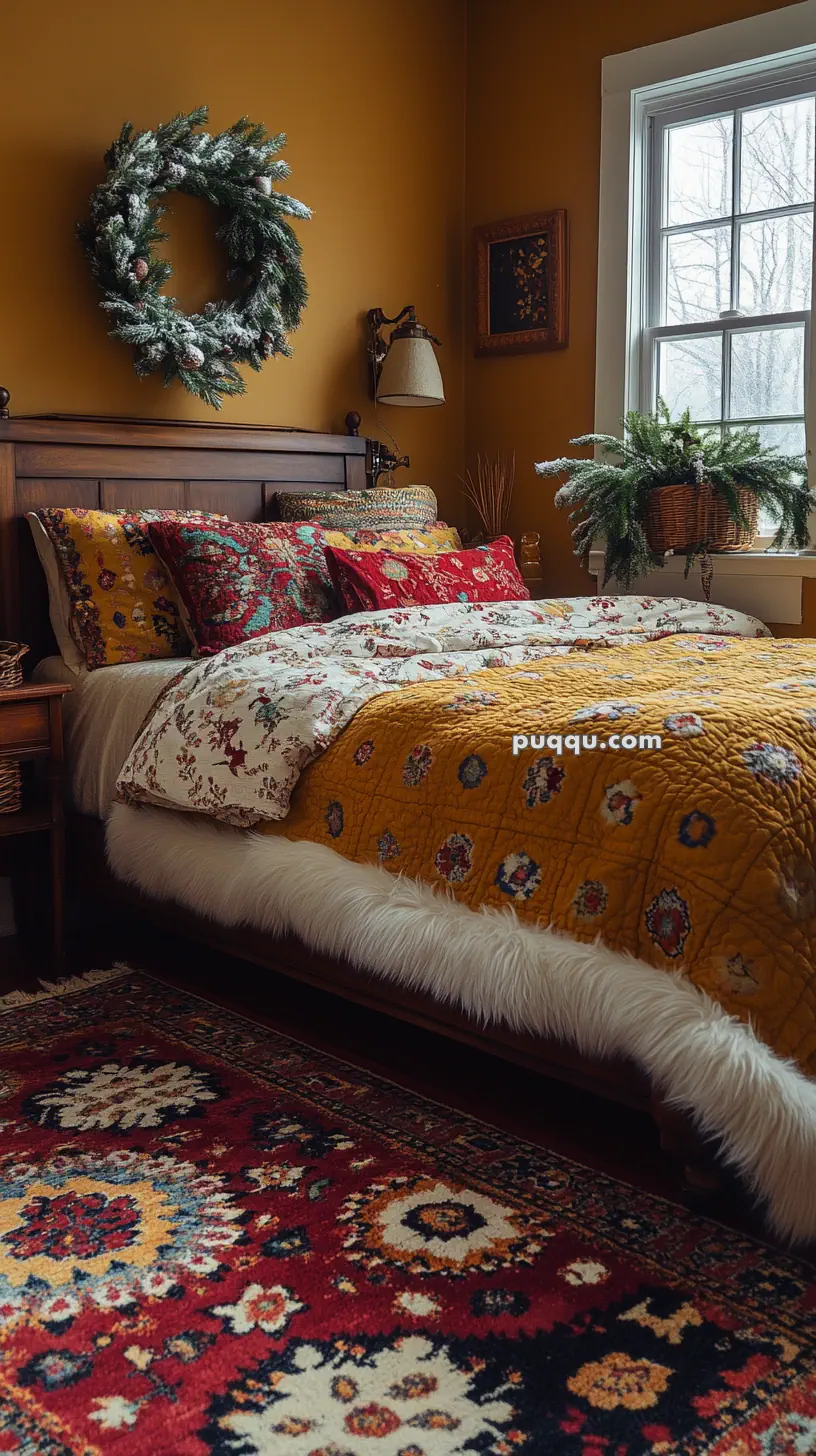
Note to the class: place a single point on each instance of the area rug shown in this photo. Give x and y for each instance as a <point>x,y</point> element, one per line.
<point>215,1241</point>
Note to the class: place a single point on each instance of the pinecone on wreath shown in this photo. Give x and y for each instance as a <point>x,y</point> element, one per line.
<point>193,358</point>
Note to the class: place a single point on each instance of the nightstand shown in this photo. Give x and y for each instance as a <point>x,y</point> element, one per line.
<point>31,729</point>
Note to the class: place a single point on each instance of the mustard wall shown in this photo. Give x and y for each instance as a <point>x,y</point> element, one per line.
<point>373,95</point>
<point>380,160</point>
<point>533,143</point>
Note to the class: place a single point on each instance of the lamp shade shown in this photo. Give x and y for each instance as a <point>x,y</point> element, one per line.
<point>410,374</point>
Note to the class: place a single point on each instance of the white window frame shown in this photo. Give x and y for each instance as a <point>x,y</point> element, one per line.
<point>765,56</point>
<point>657,116</point>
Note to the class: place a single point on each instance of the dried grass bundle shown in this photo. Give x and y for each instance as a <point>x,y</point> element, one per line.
<point>490,491</point>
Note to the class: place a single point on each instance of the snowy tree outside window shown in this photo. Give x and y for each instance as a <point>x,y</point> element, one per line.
<point>730,264</point>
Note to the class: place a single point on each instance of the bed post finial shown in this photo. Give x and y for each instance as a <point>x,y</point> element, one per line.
<point>353,422</point>
<point>4,399</point>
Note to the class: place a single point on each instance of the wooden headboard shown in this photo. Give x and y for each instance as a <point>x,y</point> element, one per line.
<point>109,465</point>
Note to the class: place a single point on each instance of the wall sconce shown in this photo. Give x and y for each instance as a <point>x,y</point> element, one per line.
<point>404,371</point>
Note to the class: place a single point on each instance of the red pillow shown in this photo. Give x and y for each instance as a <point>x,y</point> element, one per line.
<point>238,579</point>
<point>368,581</point>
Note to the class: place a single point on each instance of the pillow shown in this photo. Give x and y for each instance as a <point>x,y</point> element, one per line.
<point>59,602</point>
<point>123,606</point>
<point>368,582</point>
<point>439,538</point>
<point>237,579</point>
<point>407,508</point>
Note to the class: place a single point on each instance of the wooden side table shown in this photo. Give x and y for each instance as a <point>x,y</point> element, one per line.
<point>31,728</point>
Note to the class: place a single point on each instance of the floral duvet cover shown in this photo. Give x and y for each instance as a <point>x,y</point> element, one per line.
<point>390,737</point>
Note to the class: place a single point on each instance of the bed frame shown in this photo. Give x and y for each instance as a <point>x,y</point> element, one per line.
<point>109,463</point>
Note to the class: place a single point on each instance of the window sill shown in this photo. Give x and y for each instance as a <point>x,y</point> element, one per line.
<point>767,584</point>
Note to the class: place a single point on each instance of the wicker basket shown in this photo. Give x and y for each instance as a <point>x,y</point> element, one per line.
<point>11,675</point>
<point>682,516</point>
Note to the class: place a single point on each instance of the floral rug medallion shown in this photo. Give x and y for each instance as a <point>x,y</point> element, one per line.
<point>215,1241</point>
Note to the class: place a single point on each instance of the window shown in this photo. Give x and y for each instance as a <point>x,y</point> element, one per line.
<point>726,257</point>
<point>705,252</point>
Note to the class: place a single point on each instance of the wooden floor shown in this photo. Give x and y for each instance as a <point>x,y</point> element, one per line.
<point>601,1135</point>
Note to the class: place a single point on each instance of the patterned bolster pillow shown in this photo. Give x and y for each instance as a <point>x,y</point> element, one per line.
<point>238,579</point>
<point>368,582</point>
<point>407,508</point>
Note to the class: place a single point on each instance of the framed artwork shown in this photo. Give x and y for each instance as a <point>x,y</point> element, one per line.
<point>522,300</point>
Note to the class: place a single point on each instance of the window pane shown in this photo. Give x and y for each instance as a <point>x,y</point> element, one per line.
<point>699,170</point>
<point>775,264</point>
<point>698,275</point>
<point>777,155</point>
<point>767,372</point>
<point>689,375</point>
<point>787,439</point>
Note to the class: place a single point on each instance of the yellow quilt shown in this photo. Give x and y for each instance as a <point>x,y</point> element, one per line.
<point>697,855</point>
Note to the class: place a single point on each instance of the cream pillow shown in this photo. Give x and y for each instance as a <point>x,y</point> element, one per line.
<point>59,603</point>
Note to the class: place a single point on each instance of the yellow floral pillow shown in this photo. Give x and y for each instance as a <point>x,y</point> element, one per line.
<point>123,605</point>
<point>437,538</point>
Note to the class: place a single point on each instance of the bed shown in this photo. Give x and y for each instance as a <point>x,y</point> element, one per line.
<point>395,956</point>
<point>103,715</point>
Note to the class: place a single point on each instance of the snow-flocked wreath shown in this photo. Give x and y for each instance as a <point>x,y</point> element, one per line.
<point>236,171</point>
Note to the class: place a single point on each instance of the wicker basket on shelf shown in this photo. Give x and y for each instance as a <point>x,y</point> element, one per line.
<point>11,675</point>
<point>682,516</point>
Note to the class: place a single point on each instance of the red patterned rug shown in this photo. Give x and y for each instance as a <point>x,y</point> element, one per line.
<point>215,1241</point>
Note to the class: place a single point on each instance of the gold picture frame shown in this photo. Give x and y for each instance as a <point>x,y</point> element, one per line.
<point>522,277</point>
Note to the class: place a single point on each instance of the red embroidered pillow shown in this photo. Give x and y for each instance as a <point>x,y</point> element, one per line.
<point>368,581</point>
<point>238,579</point>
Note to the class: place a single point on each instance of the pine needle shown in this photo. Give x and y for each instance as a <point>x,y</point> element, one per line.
<point>608,497</point>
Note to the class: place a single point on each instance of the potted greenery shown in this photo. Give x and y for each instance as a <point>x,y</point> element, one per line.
<point>674,487</point>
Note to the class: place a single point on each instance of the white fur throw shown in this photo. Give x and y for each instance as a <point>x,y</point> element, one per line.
<point>762,1110</point>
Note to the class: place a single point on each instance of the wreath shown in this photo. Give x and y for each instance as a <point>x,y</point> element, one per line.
<point>236,171</point>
